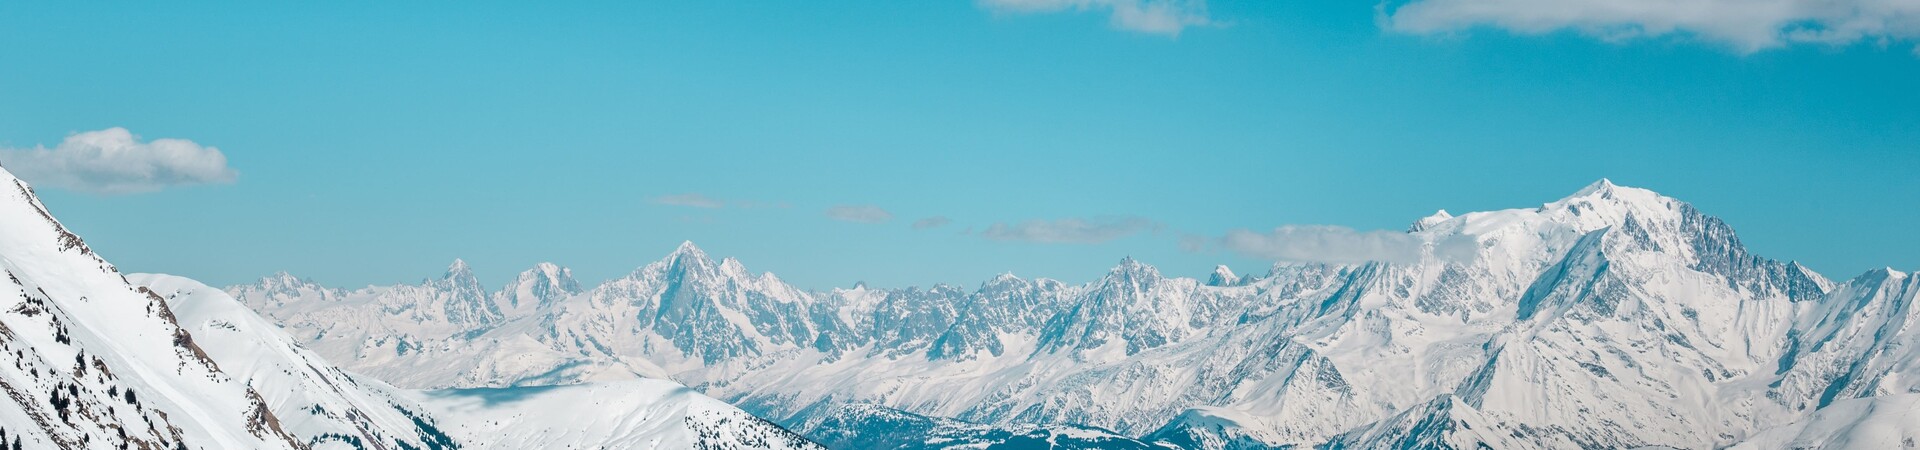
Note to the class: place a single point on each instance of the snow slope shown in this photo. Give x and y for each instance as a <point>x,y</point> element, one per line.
<point>95,362</point>
<point>1613,317</point>
<point>1889,421</point>
<point>320,405</point>
<point>636,414</point>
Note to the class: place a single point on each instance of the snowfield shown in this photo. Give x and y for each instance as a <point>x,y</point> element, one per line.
<point>636,414</point>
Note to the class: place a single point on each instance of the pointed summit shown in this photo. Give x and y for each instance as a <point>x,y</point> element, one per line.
<point>688,251</point>
<point>1598,187</point>
<point>1606,190</point>
<point>1223,276</point>
<point>458,269</point>
<point>1133,268</point>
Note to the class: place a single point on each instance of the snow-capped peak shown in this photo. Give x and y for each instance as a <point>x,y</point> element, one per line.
<point>283,280</point>
<point>1429,221</point>
<point>1133,268</point>
<point>552,271</point>
<point>1223,276</point>
<point>1596,187</point>
<point>458,269</point>
<point>687,250</point>
<point>1605,192</point>
<point>546,283</point>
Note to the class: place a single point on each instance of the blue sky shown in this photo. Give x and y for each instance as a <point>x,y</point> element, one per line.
<point>374,143</point>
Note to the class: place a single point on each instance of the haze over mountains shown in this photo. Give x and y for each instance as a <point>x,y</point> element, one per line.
<point>1614,317</point>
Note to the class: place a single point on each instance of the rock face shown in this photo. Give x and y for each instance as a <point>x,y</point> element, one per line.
<point>1614,317</point>
<point>94,359</point>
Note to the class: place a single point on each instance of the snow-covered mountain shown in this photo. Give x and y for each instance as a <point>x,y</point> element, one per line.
<point>96,362</point>
<point>101,360</point>
<point>326,407</point>
<point>1614,317</point>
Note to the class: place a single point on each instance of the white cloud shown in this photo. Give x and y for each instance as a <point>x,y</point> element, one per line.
<point>1746,25</point>
<point>1342,245</point>
<point>1168,17</point>
<point>859,213</point>
<point>689,199</point>
<point>1070,231</point>
<point>114,161</point>
<point>931,222</point>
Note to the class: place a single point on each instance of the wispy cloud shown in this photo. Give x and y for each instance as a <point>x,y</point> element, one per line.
<point>1193,243</point>
<point>931,222</point>
<point>1746,25</point>
<point>1168,17</point>
<point>859,213</point>
<point>115,161</point>
<point>1342,245</point>
<point>689,199</point>
<point>1070,230</point>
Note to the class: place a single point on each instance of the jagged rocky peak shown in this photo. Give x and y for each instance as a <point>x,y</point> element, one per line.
<point>286,283</point>
<point>554,276</point>
<point>546,283</point>
<point>459,279</point>
<point>689,253</point>
<point>1133,269</point>
<point>282,278</point>
<point>463,300</point>
<point>458,269</point>
<point>1223,276</point>
<point>687,261</point>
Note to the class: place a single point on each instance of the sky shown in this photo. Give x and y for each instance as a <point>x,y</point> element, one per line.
<point>913,143</point>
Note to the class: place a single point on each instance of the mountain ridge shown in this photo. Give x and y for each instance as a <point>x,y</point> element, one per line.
<point>1617,289</point>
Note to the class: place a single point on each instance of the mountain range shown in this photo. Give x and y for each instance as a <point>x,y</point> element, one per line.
<point>1612,318</point>
<point>102,360</point>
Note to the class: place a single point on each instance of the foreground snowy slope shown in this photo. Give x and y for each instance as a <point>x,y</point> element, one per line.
<point>94,362</point>
<point>1614,317</point>
<point>317,403</point>
<point>636,414</point>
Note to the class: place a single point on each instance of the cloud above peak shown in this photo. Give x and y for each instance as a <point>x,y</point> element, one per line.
<point>1167,17</point>
<point>115,161</point>
<point>1745,25</point>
